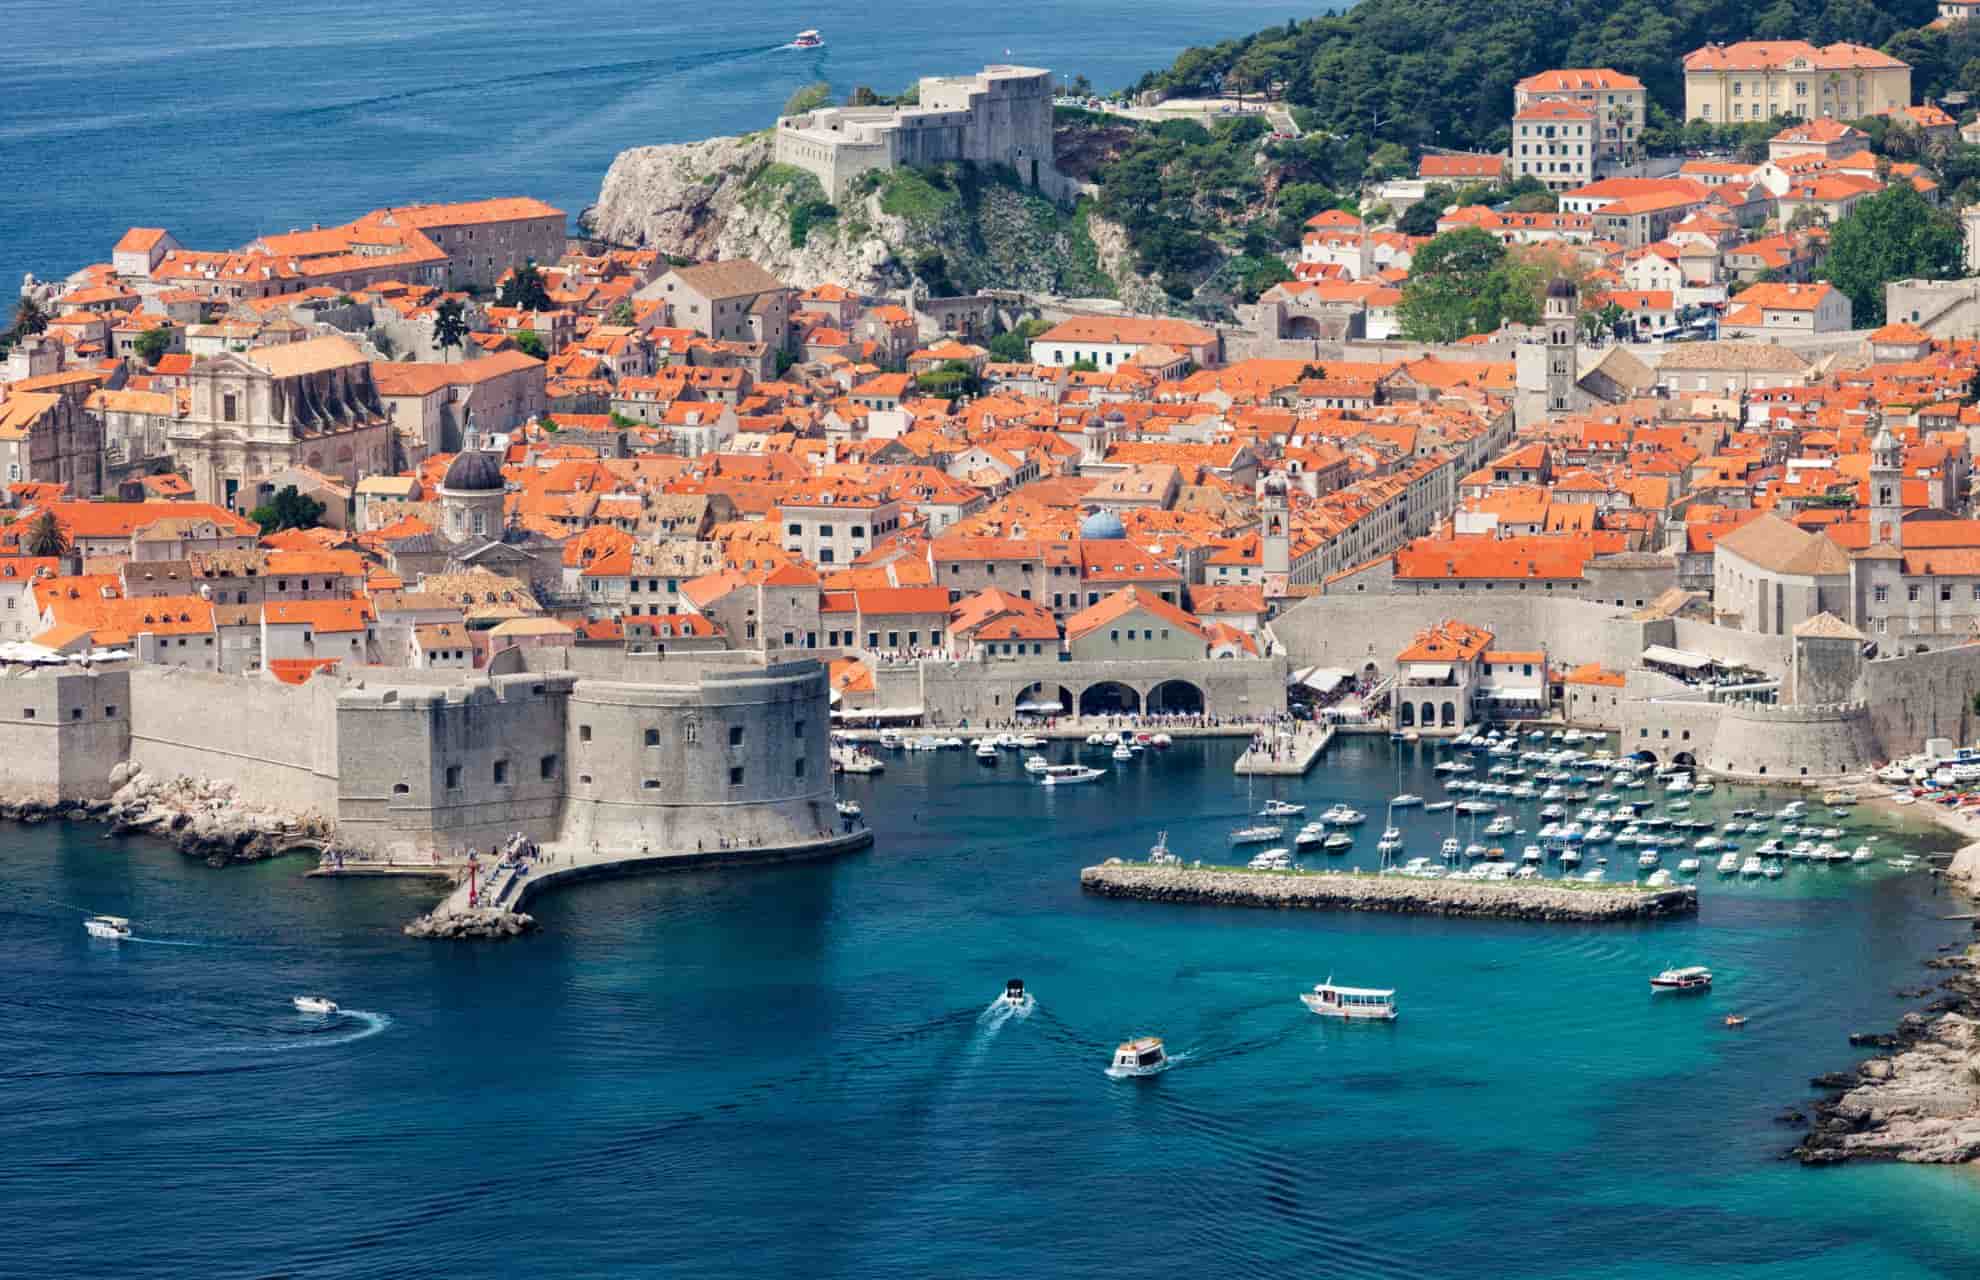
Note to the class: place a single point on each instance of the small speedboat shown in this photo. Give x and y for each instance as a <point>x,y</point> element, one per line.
<point>1142,1056</point>
<point>1013,997</point>
<point>1735,1020</point>
<point>1122,753</point>
<point>1339,842</point>
<point>1036,764</point>
<point>807,40</point>
<point>314,1004</point>
<point>115,928</point>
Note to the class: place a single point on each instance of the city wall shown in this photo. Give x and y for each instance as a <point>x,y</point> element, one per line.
<point>61,735</point>
<point>980,692</point>
<point>276,742</point>
<point>1926,695</point>
<point>1354,632</point>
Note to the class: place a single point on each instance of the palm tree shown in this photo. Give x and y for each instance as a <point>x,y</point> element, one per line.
<point>449,325</point>
<point>46,537</point>
<point>29,318</point>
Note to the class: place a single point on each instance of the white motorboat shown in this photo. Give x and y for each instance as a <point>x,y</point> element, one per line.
<point>1437,806</point>
<point>807,40</point>
<point>1691,978</point>
<point>1405,800</point>
<point>848,808</point>
<point>1773,871</point>
<point>1390,843</point>
<point>1593,875</point>
<point>1500,826</point>
<point>1728,863</point>
<point>1338,842</point>
<point>1030,741</point>
<point>1658,879</point>
<point>1065,775</point>
<point>1097,739</point>
<point>1281,809</point>
<point>1159,854</point>
<point>314,1004</point>
<point>1013,997</point>
<point>1353,1004</point>
<point>985,751</point>
<point>1649,858</point>
<point>1753,866</point>
<point>1309,835</point>
<point>1122,753</point>
<point>1271,860</point>
<point>1161,740</point>
<point>1570,857</point>
<point>1533,853</point>
<point>114,928</point>
<point>1139,1057</point>
<point>890,739</point>
<point>1036,764</point>
<point>1689,866</point>
<point>1342,816</point>
<point>1860,854</point>
<point>1258,833</point>
<point>1450,849</point>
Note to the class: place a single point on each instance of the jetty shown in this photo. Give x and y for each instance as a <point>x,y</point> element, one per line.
<point>1294,756</point>
<point>1555,900</point>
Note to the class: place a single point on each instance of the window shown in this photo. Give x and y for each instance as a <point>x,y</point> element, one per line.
<point>1911,593</point>
<point>1945,593</point>
<point>27,713</point>
<point>649,784</point>
<point>501,772</point>
<point>691,732</point>
<point>735,735</point>
<point>797,730</point>
<point>546,768</point>
<point>111,710</point>
<point>401,789</point>
<point>584,733</point>
<point>797,530</point>
<point>652,737</point>
<point>798,769</point>
<point>453,777</point>
<point>1884,593</point>
<point>735,775</point>
<point>229,407</point>
<point>75,713</point>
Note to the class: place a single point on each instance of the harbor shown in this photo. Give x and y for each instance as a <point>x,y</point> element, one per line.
<point>1537,900</point>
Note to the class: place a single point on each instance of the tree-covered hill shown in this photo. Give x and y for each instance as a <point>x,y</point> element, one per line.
<point>1441,72</point>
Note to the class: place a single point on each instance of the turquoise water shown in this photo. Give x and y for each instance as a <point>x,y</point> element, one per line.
<point>225,119</point>
<point>789,1070</point>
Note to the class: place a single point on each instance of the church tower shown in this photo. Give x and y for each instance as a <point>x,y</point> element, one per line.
<point>1560,317</point>
<point>1886,482</point>
<point>1274,535</point>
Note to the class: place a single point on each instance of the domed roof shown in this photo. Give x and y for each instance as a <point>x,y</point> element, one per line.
<point>1560,287</point>
<point>473,472</point>
<point>1102,525</point>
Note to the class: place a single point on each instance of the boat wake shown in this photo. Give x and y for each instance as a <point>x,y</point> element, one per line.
<point>346,1026</point>
<point>172,942</point>
<point>1001,1011</point>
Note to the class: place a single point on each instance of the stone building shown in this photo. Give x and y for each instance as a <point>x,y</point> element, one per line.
<point>1762,79</point>
<point>471,496</point>
<point>734,301</point>
<point>50,437</point>
<point>1619,103</point>
<point>433,406</point>
<point>258,411</point>
<point>1002,116</point>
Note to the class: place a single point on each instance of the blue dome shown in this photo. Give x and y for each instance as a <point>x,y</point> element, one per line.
<point>1102,524</point>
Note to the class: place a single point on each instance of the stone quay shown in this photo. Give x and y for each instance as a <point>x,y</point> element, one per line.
<point>1347,891</point>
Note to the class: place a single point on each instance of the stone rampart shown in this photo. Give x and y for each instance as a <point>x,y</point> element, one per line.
<point>1926,695</point>
<point>62,733</point>
<point>1510,899</point>
<point>276,743</point>
<point>986,691</point>
<point>1356,631</point>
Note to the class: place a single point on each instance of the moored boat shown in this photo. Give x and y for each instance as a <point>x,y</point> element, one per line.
<point>1063,775</point>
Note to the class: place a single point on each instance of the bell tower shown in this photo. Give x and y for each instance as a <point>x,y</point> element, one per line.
<point>1274,536</point>
<point>1560,317</point>
<point>1886,482</point>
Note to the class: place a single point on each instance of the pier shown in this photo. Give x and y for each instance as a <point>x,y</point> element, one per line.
<point>1292,758</point>
<point>1549,900</point>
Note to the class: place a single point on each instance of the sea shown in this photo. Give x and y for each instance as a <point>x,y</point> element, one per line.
<point>221,120</point>
<point>798,1070</point>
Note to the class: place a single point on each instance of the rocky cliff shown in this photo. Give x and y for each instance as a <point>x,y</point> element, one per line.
<point>948,230</point>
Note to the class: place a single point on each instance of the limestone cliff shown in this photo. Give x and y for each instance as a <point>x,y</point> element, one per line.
<point>953,229</point>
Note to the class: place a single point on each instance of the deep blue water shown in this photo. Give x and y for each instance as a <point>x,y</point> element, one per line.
<point>225,119</point>
<point>787,1071</point>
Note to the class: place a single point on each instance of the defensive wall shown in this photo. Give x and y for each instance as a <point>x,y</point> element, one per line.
<point>276,742</point>
<point>1925,695</point>
<point>61,735</point>
<point>951,692</point>
<point>1357,632</point>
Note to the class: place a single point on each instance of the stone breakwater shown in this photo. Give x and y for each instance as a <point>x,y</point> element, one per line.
<point>1921,1103</point>
<point>1512,900</point>
<point>477,922</point>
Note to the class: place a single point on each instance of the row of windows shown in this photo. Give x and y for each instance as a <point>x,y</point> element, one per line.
<point>1914,593</point>
<point>546,768</point>
<point>1147,633</point>
<point>691,732</point>
<point>75,713</point>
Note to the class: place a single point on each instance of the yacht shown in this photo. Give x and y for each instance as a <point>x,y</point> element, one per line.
<point>1281,809</point>
<point>1310,834</point>
<point>1064,775</point>
<point>1342,816</point>
<point>1689,865</point>
<point>1773,871</point>
<point>1139,1057</point>
<point>1257,833</point>
<point>1860,854</point>
<point>1338,842</point>
<point>1391,842</point>
<point>1692,978</point>
<point>1533,853</point>
<point>1649,858</point>
<point>1570,857</point>
<point>1500,826</point>
<point>314,1004</point>
<point>1405,800</point>
<point>807,40</point>
<point>890,739</point>
<point>1352,1004</point>
<point>1271,860</point>
<point>115,928</point>
<point>1752,866</point>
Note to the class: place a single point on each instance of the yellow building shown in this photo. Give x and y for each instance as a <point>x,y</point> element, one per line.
<point>1762,79</point>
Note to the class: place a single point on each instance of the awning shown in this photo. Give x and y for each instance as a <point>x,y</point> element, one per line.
<point>1041,708</point>
<point>1322,679</point>
<point>836,695</point>
<point>880,713</point>
<point>1429,670</point>
<point>1513,695</point>
<point>1677,657</point>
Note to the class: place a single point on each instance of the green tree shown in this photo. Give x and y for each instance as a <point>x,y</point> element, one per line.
<point>953,379</point>
<point>45,536</point>
<point>152,344</point>
<point>450,325</point>
<point>530,343</point>
<point>1084,366</point>
<point>1313,373</point>
<point>1464,282</point>
<point>621,313</point>
<point>549,423</point>
<point>525,289</point>
<point>809,98</point>
<point>1420,219</point>
<point>289,509</point>
<point>1013,346</point>
<point>1893,235</point>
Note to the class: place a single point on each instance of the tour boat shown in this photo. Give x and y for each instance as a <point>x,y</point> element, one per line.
<point>848,808</point>
<point>1352,1004</point>
<point>1062,775</point>
<point>1139,1057</point>
<point>1258,833</point>
<point>115,928</point>
<point>1013,997</point>
<point>1692,978</point>
<point>1281,809</point>
<point>314,1004</point>
<point>808,40</point>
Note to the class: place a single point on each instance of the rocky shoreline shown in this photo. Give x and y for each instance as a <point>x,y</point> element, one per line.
<point>477,922</point>
<point>1920,1103</point>
<point>203,819</point>
<point>1509,900</point>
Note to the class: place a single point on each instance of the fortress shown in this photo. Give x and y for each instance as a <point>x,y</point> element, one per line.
<point>623,754</point>
<point>999,116</point>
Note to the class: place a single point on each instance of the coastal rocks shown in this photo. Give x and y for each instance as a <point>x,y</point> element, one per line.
<point>1520,900</point>
<point>476,922</point>
<point>1921,1104</point>
<point>205,819</point>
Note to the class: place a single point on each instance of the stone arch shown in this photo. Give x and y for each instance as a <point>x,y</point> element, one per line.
<point>1306,328</point>
<point>1685,759</point>
<point>1109,698</point>
<point>1450,715</point>
<point>1049,700</point>
<point>1370,672</point>
<point>1645,754</point>
<point>1177,697</point>
<point>1426,715</point>
<point>1406,713</point>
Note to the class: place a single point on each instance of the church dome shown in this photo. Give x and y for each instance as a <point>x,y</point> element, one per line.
<point>473,472</point>
<point>1102,525</point>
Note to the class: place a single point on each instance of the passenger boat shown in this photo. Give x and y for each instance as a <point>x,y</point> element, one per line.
<point>807,40</point>
<point>115,928</point>
<point>1691,978</point>
<point>1013,997</point>
<point>1142,1056</point>
<point>1065,775</point>
<point>314,1004</point>
<point>1257,833</point>
<point>1351,1004</point>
